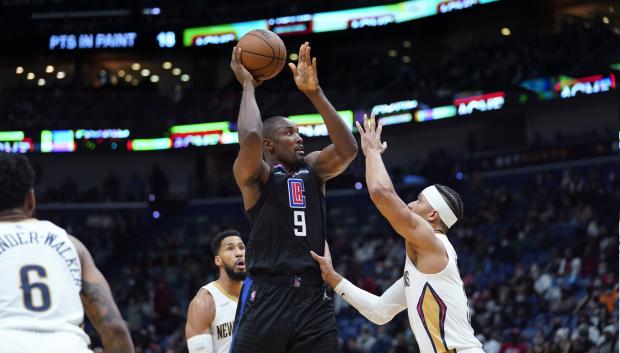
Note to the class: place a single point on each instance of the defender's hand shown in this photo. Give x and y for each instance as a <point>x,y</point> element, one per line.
<point>304,72</point>
<point>330,276</point>
<point>241,73</point>
<point>371,136</point>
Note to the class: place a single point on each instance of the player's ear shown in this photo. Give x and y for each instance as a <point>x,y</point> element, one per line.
<point>268,145</point>
<point>218,261</point>
<point>433,217</point>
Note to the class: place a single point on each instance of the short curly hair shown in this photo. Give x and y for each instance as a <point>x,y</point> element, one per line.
<point>16,180</point>
<point>216,242</point>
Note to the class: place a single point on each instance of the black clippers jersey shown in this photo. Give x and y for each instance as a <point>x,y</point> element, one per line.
<point>286,223</point>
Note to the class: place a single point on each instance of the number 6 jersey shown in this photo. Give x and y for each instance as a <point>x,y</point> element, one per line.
<point>286,223</point>
<point>40,277</point>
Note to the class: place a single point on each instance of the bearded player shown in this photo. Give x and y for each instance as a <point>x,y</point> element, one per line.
<point>431,287</point>
<point>283,306</point>
<point>211,313</point>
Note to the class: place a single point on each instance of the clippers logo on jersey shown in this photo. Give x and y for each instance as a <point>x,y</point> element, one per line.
<point>296,198</point>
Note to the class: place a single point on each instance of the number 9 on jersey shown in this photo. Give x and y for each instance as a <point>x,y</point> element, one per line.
<point>299,220</point>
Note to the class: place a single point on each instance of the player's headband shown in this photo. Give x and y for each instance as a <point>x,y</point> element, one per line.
<point>437,202</point>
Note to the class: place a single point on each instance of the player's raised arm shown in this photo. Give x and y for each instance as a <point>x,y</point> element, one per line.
<point>379,310</point>
<point>406,223</point>
<point>100,307</point>
<point>200,315</point>
<point>335,158</point>
<point>249,167</point>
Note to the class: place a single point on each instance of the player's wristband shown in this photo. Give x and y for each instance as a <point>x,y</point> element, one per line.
<point>200,344</point>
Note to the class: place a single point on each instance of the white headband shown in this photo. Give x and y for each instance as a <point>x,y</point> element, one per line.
<point>437,202</point>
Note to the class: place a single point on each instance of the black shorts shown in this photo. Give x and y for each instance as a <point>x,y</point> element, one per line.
<point>284,315</point>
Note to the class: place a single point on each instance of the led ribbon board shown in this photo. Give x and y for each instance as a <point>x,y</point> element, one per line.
<point>311,125</point>
<point>445,112</point>
<point>206,134</point>
<point>481,103</point>
<point>15,142</point>
<point>85,134</point>
<point>395,119</point>
<point>373,16</point>
<point>57,141</point>
<point>396,107</point>
<point>542,86</point>
<point>149,144</point>
<point>569,87</point>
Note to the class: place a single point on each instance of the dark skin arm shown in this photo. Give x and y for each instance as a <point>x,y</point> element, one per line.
<point>100,307</point>
<point>336,157</point>
<point>250,169</point>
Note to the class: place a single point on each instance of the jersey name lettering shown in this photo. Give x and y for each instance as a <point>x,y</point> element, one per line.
<point>224,330</point>
<point>11,240</point>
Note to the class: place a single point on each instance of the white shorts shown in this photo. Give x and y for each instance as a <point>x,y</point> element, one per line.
<point>20,341</point>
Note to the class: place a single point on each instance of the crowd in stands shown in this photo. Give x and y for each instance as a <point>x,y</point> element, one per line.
<point>537,254</point>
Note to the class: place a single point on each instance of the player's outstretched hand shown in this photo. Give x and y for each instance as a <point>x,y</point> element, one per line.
<point>325,262</point>
<point>304,72</point>
<point>371,135</point>
<point>241,73</point>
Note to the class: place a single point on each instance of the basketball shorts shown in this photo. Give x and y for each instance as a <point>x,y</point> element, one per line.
<point>285,314</point>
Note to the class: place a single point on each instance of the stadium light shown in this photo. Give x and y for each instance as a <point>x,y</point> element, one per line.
<point>185,77</point>
<point>41,82</point>
<point>167,65</point>
<point>60,75</point>
<point>49,69</point>
<point>19,70</point>
<point>30,76</point>
<point>145,72</point>
<point>176,71</point>
<point>154,78</point>
<point>135,66</point>
<point>506,31</point>
<point>293,56</point>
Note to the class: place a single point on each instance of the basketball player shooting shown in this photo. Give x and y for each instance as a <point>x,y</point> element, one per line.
<point>431,286</point>
<point>211,313</point>
<point>48,278</point>
<point>283,305</point>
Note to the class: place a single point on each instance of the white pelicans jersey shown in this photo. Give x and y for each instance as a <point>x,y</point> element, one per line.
<point>41,279</point>
<point>221,329</point>
<point>438,308</point>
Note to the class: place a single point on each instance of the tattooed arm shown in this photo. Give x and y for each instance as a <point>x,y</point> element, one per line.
<point>100,307</point>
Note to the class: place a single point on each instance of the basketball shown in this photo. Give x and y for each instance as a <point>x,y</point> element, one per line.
<point>263,53</point>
